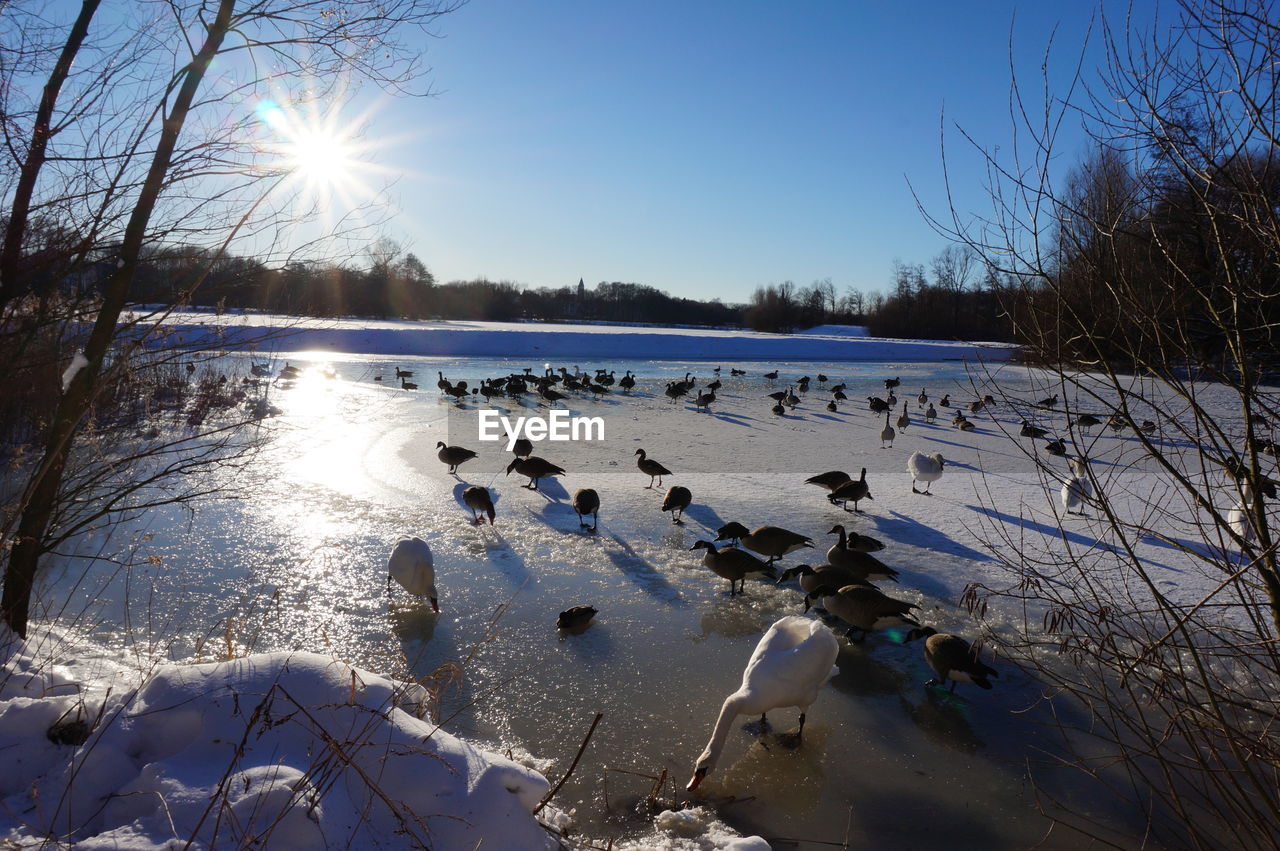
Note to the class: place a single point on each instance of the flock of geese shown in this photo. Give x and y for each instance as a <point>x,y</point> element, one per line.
<point>796,656</point>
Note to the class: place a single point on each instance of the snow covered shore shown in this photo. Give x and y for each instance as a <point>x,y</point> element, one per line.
<point>560,341</point>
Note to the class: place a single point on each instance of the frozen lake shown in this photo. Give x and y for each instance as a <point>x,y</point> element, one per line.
<point>298,561</point>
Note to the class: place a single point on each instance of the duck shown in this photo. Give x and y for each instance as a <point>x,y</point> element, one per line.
<point>952,658</point>
<point>925,468</point>
<point>853,542</point>
<point>830,480</point>
<point>412,566</point>
<point>903,419</point>
<point>792,662</point>
<point>576,618</point>
<point>732,531</point>
<point>651,468</point>
<point>774,541</point>
<point>830,575</point>
<point>477,498</point>
<point>676,501</point>
<point>863,607</point>
<point>732,564</point>
<point>855,490</point>
<point>587,501</point>
<point>535,468</point>
<point>453,455</point>
<point>887,433</point>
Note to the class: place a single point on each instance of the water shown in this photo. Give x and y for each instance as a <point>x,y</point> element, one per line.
<point>298,562</point>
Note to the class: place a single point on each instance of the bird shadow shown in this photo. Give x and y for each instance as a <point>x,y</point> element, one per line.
<point>705,515</point>
<point>828,417</point>
<point>633,566</point>
<point>1044,529</point>
<point>506,559</point>
<point>902,528</point>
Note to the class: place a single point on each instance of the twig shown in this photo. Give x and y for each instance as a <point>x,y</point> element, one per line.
<point>572,766</point>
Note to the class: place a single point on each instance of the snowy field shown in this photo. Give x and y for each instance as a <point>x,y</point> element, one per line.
<point>298,565</point>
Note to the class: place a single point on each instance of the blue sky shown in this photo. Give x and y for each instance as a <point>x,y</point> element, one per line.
<point>704,148</point>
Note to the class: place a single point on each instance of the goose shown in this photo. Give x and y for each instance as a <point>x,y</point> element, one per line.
<point>892,400</point>
<point>453,455</point>
<point>732,531</point>
<point>552,396</point>
<point>922,398</point>
<point>890,383</point>
<point>863,565</point>
<point>803,384</point>
<point>839,388</point>
<point>407,385</point>
<point>1086,422</point>
<point>413,567</point>
<point>838,396</point>
<point>931,413</point>
<point>587,501</point>
<point>627,382</point>
<point>260,371</point>
<point>887,433</point>
<point>952,658</point>
<point>522,448</point>
<point>704,400</point>
<point>822,379</point>
<point>676,501</point>
<point>779,395</point>
<point>1051,402</point>
<point>791,400</point>
<point>945,402</point>
<point>535,468</point>
<point>714,385</point>
<point>855,490</point>
<point>478,500</point>
<point>651,468</point>
<point>903,419</point>
<point>877,405</point>
<point>737,371</point>
<point>863,607</point>
<point>377,378</point>
<point>811,578</point>
<point>925,468</point>
<point>576,618</point>
<point>778,410</point>
<point>732,564</point>
<point>772,376</point>
<point>674,392</point>
<point>1148,427</point>
<point>444,384</point>
<point>853,542</point>
<point>976,405</point>
<point>1116,422</point>
<point>790,665</point>
<point>966,425</point>
<point>831,406</point>
<point>1028,430</point>
<point>774,541</point>
<point>988,400</point>
<point>400,373</point>
<point>1056,447</point>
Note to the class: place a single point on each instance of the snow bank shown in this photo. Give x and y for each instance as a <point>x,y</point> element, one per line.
<point>837,331</point>
<point>515,339</point>
<point>292,750</point>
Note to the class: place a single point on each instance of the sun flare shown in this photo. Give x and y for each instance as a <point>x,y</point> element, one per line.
<point>321,156</point>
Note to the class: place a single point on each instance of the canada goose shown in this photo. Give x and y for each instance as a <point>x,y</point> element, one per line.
<point>444,384</point>
<point>839,388</point>
<point>922,398</point>
<point>260,371</point>
<point>1056,447</point>
<point>831,406</point>
<point>651,468</point>
<point>822,379</point>
<point>458,391</point>
<point>976,405</point>
<point>931,413</point>
<point>838,396</point>
<point>552,396</point>
<point>890,383</point>
<point>714,385</point>
<point>966,425</point>
<point>575,619</point>
<point>401,373</point>
<point>855,490</point>
<point>676,501</point>
<point>1028,430</point>
<point>778,409</point>
<point>587,501</point>
<point>732,531</point>
<point>535,468</point>
<point>903,419</point>
<point>377,378</point>
<point>988,400</point>
<point>790,665</point>
<point>791,400</point>
<point>925,468</point>
<point>674,392</point>
<point>892,401</point>
<point>952,658</point>
<point>1148,427</point>
<point>413,567</point>
<point>453,455</point>
<point>853,542</point>
<point>945,402</point>
<point>732,564</point>
<point>1116,422</point>
<point>1077,490</point>
<point>863,565</point>
<point>478,500</point>
<point>627,382</point>
<point>803,384</point>
<point>774,541</point>
<point>863,607</point>
<point>830,480</point>
<point>737,371</point>
<point>704,400</point>
<point>522,448</point>
<point>1051,402</point>
<point>1087,421</point>
<point>887,433</point>
<point>779,395</point>
<point>829,575</point>
<point>877,405</point>
<point>407,385</point>
<point>772,376</point>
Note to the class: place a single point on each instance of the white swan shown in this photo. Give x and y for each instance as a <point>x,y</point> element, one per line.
<point>412,565</point>
<point>925,468</point>
<point>1241,522</point>
<point>792,662</point>
<point>1077,490</point>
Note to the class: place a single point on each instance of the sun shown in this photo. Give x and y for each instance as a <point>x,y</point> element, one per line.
<point>316,148</point>
<point>321,156</point>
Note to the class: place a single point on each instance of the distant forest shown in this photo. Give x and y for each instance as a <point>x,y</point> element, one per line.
<point>949,300</point>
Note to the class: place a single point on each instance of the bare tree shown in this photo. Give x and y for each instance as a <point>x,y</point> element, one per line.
<point>182,159</point>
<point>1147,285</point>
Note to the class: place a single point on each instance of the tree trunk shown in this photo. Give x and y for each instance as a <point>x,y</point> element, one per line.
<point>42,491</point>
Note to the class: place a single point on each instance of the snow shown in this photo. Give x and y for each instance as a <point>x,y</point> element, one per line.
<point>552,340</point>
<point>300,749</point>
